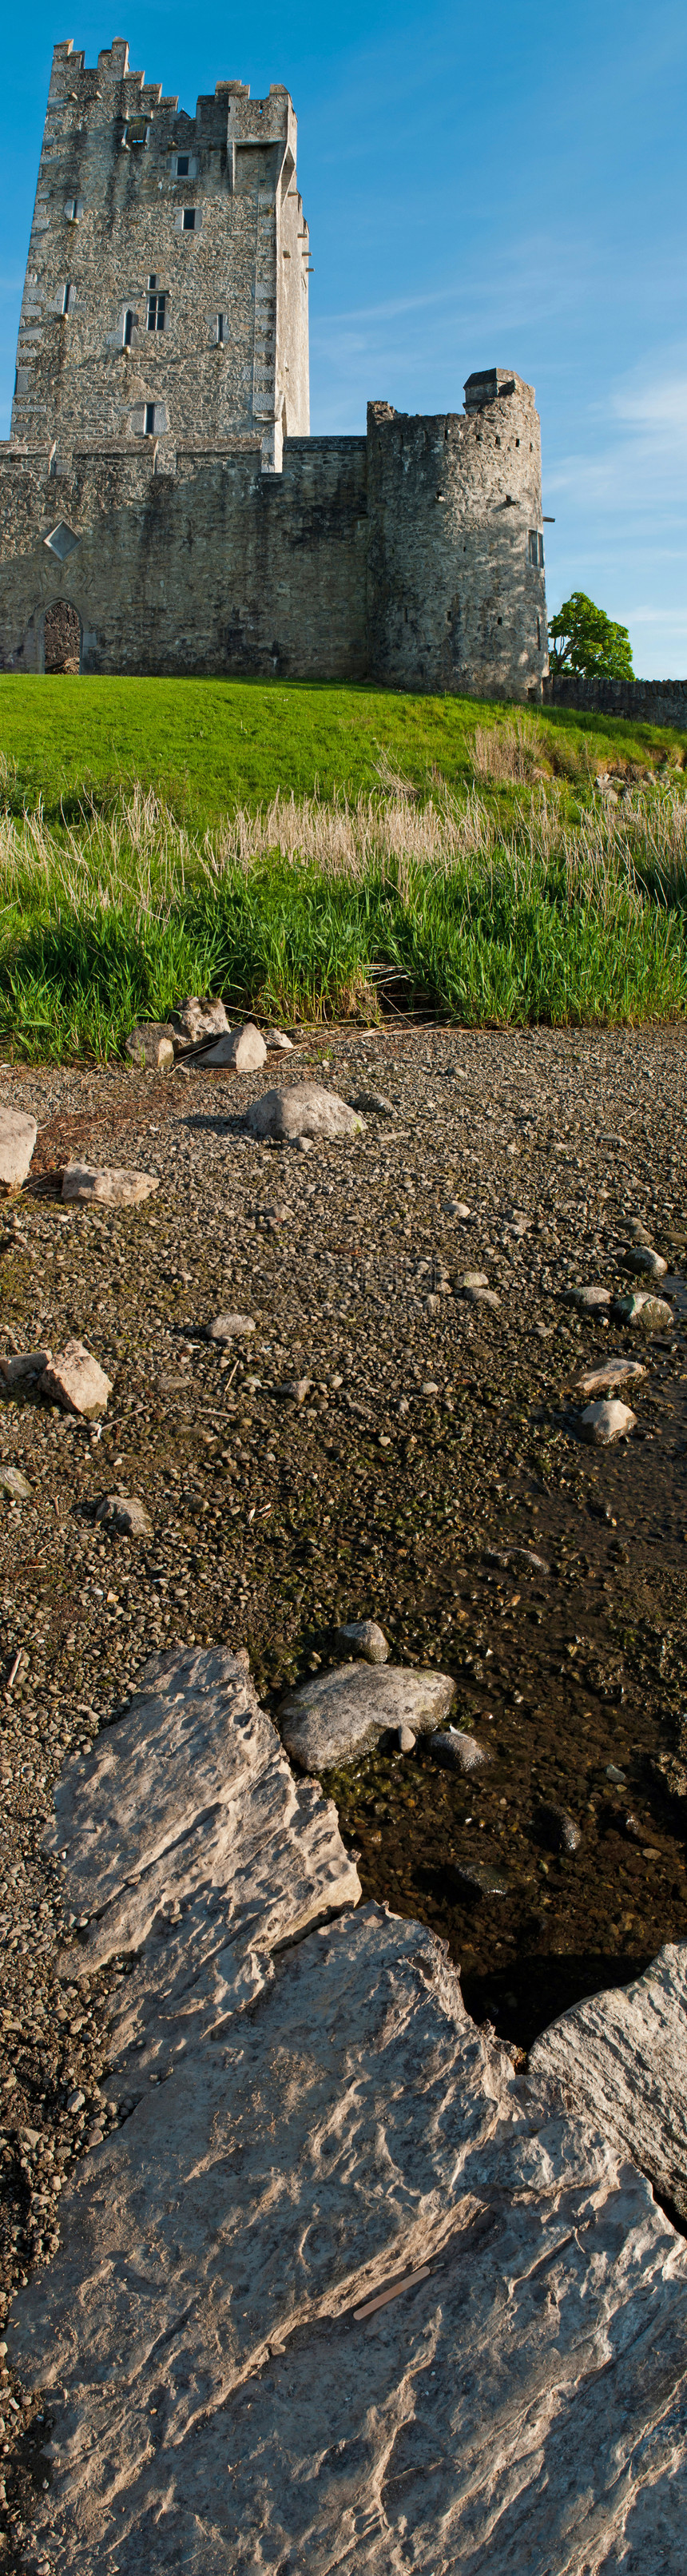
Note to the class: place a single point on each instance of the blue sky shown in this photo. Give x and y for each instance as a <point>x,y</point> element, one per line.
<point>484,185</point>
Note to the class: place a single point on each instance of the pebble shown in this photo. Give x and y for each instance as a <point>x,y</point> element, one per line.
<point>486,1882</point>
<point>150,1044</point>
<point>406,1739</point>
<point>76,1381</point>
<point>608,1420</point>
<point>296,1387</point>
<point>457,1751</point>
<point>305,1110</point>
<point>364,1637</point>
<point>588,1298</point>
<point>228,1328</point>
<point>643,1309</point>
<point>559,1829</point>
<point>12,1482</point>
<point>456,1207</point>
<point>642,1257</point>
<point>277,1043</point>
<point>525,1556</point>
<point>474,1279</point>
<point>612,1372</point>
<point>125,1513</point>
<point>24,1365</point>
<point>87,1184</point>
<point>243,1048</point>
<point>376,1101</point>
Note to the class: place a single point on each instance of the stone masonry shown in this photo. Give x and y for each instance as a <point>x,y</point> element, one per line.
<point>162,505</point>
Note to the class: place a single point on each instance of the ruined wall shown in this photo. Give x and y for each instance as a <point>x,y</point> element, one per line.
<point>219,567</point>
<point>123,173</point>
<point>658,702</point>
<point>455,600</point>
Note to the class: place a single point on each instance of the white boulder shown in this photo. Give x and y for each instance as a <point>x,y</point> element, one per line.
<point>304,1110</point>
<point>365,1638</point>
<point>607,1421</point>
<point>87,1185</point>
<point>341,1713</point>
<point>243,1048</point>
<point>76,1381</point>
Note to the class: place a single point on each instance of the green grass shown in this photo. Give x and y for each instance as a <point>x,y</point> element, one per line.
<point>208,746</point>
<point>316,909</point>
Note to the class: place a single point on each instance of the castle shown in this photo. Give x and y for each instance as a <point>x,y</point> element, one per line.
<point>163,507</point>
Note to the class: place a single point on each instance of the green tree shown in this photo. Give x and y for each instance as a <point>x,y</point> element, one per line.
<point>585,640</point>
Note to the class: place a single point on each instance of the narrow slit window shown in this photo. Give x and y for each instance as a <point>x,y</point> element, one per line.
<point>189,219</point>
<point>73,210</point>
<point>128,329</point>
<point>156,312</point>
<point>221,331</point>
<point>149,421</point>
<point>67,297</point>
<point>183,165</point>
<point>535,547</point>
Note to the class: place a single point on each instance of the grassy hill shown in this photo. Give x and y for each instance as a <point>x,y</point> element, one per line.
<point>314,852</point>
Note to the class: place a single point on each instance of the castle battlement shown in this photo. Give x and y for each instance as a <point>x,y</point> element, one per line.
<point>161,498</point>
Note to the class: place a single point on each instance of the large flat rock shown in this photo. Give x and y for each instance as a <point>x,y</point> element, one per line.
<point>343,1712</point>
<point>313,2122</point>
<point>621,2059</point>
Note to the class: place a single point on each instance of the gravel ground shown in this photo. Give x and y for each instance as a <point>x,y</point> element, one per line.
<point>433,1435</point>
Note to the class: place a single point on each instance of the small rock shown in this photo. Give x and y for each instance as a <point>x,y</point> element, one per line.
<point>12,1482</point>
<point>228,1328</point>
<point>558,1829</point>
<point>76,2101</point>
<point>86,1183</point>
<point>17,1139</point>
<point>525,1556</point>
<point>486,1882</point>
<point>277,1042</point>
<point>296,1387</point>
<point>587,1298</point>
<point>651,1313</point>
<point>639,1231</point>
<point>456,1207</point>
<point>474,1279</point>
<point>612,1372</point>
<point>197,1020</point>
<point>306,1111</point>
<point>24,1365</point>
<point>363,1637</point>
<point>376,1102</point>
<point>150,1044</point>
<point>406,1739</point>
<point>608,1420</point>
<point>76,1381</point>
<point>633,1828</point>
<point>456,1751</point>
<point>482,1297</point>
<point>671,1774</point>
<point>332,1719</point>
<point>125,1513</point>
<point>429,1386</point>
<point>243,1048</point>
<point>642,1257</point>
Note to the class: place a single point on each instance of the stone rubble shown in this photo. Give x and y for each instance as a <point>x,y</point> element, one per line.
<point>342,1712</point>
<point>150,1044</point>
<point>244,1048</point>
<point>304,1112</point>
<point>75,1380</point>
<point>17,1139</point>
<point>608,1420</point>
<point>125,1513</point>
<point>341,2286</point>
<point>86,1185</point>
<point>196,1021</point>
<point>363,1637</point>
<point>609,1374</point>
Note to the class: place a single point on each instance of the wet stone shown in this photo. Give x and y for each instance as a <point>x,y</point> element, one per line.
<point>457,1751</point>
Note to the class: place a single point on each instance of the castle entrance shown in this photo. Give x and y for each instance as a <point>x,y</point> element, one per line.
<point>62,637</point>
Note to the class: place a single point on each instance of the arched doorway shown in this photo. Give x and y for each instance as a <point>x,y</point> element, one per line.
<point>62,637</point>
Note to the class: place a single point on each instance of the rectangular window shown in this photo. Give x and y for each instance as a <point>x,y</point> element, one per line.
<point>221,332</point>
<point>156,312</point>
<point>137,130</point>
<point>183,165</point>
<point>67,297</point>
<point>128,329</point>
<point>189,221</point>
<point>535,547</point>
<point>149,421</point>
<point>73,210</point>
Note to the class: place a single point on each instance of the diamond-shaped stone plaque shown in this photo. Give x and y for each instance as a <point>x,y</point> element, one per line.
<point>62,541</point>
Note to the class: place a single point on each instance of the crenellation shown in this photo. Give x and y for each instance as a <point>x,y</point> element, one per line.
<point>161,481</point>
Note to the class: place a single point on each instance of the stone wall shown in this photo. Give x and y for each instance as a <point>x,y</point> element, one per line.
<point>658,702</point>
<point>218,567</point>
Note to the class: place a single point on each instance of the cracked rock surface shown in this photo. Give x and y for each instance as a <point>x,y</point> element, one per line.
<point>307,2125</point>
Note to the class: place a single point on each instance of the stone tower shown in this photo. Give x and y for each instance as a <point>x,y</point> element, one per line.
<point>166,294</point>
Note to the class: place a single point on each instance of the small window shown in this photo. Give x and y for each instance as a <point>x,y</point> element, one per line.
<point>128,329</point>
<point>156,312</point>
<point>67,297</point>
<point>221,328</point>
<point>183,165</point>
<point>137,130</point>
<point>535,547</point>
<point>73,210</point>
<point>149,421</point>
<point>189,220</point>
